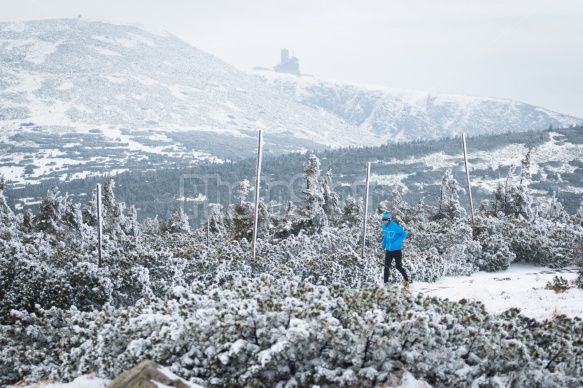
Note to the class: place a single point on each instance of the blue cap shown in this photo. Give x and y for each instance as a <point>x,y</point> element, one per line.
<point>386,216</point>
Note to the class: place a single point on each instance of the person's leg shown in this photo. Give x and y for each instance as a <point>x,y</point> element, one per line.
<point>388,259</point>
<point>399,264</point>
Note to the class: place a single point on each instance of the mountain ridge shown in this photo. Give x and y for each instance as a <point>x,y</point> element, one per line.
<point>413,114</point>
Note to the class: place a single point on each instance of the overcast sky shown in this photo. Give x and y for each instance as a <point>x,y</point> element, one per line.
<point>524,50</point>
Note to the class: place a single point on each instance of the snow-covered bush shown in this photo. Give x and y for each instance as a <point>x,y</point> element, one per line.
<point>496,254</point>
<point>39,268</point>
<point>199,302</point>
<point>559,284</point>
<point>578,252</point>
<point>270,332</point>
<point>422,266</point>
<point>449,239</point>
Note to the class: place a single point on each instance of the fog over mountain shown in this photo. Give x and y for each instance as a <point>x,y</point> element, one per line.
<point>81,97</point>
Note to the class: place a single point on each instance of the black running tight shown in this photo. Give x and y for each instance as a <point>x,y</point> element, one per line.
<point>398,256</point>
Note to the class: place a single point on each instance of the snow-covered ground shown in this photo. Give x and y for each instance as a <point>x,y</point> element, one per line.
<point>86,381</point>
<point>522,285</point>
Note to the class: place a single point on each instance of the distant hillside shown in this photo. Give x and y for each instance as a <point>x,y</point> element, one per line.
<point>82,98</point>
<point>415,168</point>
<point>402,115</point>
<point>101,97</point>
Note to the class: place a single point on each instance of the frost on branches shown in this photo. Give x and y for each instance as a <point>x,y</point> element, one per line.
<point>269,332</point>
<point>196,301</point>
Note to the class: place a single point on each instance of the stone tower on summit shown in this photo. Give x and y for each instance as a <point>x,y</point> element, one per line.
<point>288,65</point>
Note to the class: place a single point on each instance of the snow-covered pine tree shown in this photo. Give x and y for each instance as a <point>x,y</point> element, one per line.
<point>178,223</point>
<point>551,209</point>
<point>577,218</point>
<point>517,199</point>
<point>6,214</point>
<point>496,253</point>
<point>26,224</point>
<point>243,191</point>
<point>89,211</point>
<point>132,225</point>
<point>449,205</point>
<point>578,251</point>
<point>311,215</point>
<point>525,201</point>
<point>285,227</point>
<point>331,199</point>
<point>383,207</point>
<point>48,218</point>
<point>75,232</point>
<point>499,202</point>
<point>400,209</point>
<point>242,214</point>
<point>267,220</point>
<point>113,217</point>
<point>508,207</point>
<point>352,211</point>
<point>151,226</point>
<point>216,220</point>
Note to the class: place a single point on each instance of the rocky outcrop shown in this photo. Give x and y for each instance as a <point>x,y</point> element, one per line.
<point>148,374</point>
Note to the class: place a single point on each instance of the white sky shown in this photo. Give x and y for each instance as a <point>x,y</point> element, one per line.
<point>525,50</point>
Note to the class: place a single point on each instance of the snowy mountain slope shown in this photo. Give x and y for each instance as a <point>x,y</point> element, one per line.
<point>397,114</point>
<point>550,159</point>
<point>106,96</point>
<point>81,98</point>
<point>78,73</point>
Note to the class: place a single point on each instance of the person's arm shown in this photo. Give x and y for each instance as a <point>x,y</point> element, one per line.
<point>401,235</point>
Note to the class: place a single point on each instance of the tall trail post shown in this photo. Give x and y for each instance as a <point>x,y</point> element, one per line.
<point>208,233</point>
<point>365,212</point>
<point>99,225</point>
<point>257,185</point>
<point>469,185</point>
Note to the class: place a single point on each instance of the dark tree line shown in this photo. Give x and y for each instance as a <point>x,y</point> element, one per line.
<point>156,193</point>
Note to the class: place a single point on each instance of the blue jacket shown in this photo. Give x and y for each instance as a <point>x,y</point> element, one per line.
<point>393,236</point>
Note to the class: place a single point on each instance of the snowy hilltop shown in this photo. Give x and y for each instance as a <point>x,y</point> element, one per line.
<point>73,75</point>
